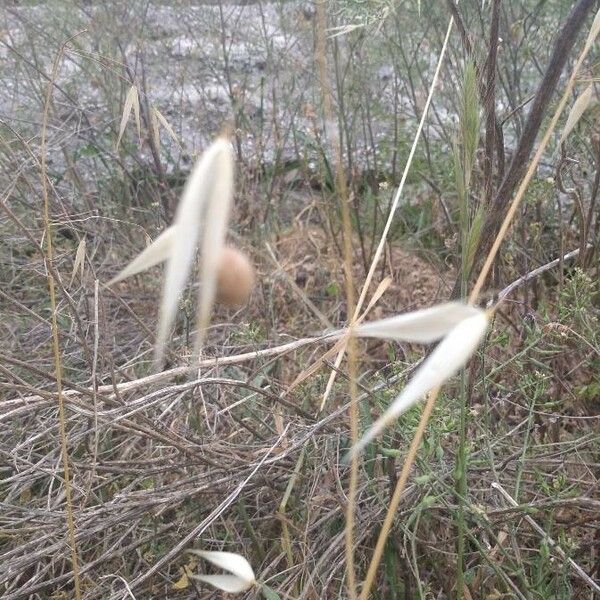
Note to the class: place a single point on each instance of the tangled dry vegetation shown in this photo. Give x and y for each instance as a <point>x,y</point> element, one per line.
<point>110,470</point>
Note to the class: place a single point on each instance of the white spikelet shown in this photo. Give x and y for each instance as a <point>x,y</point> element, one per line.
<point>79,263</point>
<point>241,577</point>
<point>579,107</point>
<point>213,242</point>
<point>132,101</point>
<point>445,361</point>
<point>158,251</point>
<point>210,184</point>
<point>421,326</point>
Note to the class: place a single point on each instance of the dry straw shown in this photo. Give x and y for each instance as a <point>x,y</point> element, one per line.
<point>132,102</point>
<point>49,258</point>
<point>156,120</point>
<point>79,262</point>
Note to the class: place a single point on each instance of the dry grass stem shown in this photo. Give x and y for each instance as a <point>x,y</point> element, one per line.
<point>62,413</point>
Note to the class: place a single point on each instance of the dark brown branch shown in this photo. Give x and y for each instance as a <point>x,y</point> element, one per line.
<point>490,103</point>
<point>560,53</point>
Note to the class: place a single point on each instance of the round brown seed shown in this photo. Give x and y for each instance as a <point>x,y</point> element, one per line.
<point>235,278</point>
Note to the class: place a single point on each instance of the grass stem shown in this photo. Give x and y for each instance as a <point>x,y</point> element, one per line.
<point>62,416</point>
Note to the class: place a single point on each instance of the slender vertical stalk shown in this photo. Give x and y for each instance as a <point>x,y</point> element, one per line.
<point>461,487</point>
<point>464,159</point>
<point>335,143</point>
<point>62,415</point>
<point>490,104</point>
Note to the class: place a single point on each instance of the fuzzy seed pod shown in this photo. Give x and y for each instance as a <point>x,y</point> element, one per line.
<point>235,278</point>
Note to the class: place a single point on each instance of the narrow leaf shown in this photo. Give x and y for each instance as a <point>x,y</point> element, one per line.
<point>154,129</point>
<point>158,251</point>
<point>579,107</point>
<point>204,186</point>
<point>381,289</point>
<point>318,363</point>
<point>186,572</point>
<point>183,582</point>
<point>421,326</point>
<point>444,362</point>
<point>136,113</point>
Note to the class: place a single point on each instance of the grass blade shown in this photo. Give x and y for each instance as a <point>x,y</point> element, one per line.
<point>579,107</point>
<point>154,132</point>
<point>79,262</point>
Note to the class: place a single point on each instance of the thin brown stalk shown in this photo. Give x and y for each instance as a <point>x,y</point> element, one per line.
<point>531,170</point>
<point>54,325</point>
<point>342,191</point>
<point>490,103</point>
<point>562,48</point>
<point>392,212</point>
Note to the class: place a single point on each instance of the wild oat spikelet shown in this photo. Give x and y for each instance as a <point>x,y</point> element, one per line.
<point>462,328</point>
<point>240,578</point>
<point>202,216</point>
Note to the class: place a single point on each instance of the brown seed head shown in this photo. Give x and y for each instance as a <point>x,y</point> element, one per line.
<point>235,278</point>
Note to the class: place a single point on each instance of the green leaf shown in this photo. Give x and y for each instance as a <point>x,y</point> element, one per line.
<point>423,479</point>
<point>269,594</point>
